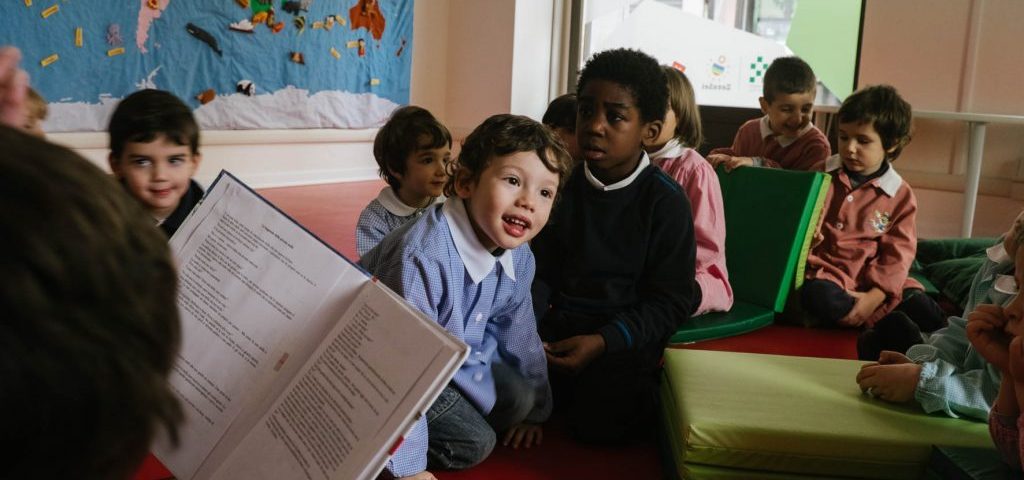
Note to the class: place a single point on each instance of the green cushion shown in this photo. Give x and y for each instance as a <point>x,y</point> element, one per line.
<point>767,215</point>
<point>812,227</point>
<point>742,318</point>
<point>795,416</point>
<point>949,265</point>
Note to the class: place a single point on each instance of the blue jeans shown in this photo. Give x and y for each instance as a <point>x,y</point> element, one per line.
<point>460,436</point>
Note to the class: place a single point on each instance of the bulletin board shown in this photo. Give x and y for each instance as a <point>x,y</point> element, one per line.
<point>241,64</point>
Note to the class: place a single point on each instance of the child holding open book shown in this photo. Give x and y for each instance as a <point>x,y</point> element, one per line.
<point>466,264</point>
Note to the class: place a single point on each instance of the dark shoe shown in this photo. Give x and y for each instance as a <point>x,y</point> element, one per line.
<point>897,332</point>
<point>868,347</point>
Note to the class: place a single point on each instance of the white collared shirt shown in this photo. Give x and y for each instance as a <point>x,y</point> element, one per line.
<point>766,131</point>
<point>390,201</point>
<point>889,182</point>
<point>479,262</point>
<point>625,182</point>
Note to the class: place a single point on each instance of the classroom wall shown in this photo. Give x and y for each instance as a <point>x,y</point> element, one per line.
<point>959,56</point>
<point>471,59</point>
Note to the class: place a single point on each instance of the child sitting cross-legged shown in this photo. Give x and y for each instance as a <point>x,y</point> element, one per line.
<point>857,269</point>
<point>154,152</point>
<point>412,150</point>
<point>466,264</point>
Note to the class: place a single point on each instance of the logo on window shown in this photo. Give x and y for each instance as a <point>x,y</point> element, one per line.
<point>755,74</point>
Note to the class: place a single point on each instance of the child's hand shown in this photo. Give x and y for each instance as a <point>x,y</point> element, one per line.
<point>735,162</point>
<point>985,331</point>
<point>13,88</point>
<point>893,383</point>
<point>525,434</point>
<point>718,158</point>
<point>574,353</point>
<point>865,303</point>
<point>889,357</point>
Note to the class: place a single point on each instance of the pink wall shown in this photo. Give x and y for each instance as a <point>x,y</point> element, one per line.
<point>952,55</point>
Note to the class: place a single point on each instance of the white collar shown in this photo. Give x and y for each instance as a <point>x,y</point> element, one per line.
<point>997,254</point>
<point>390,201</point>
<point>478,261</point>
<point>672,149</point>
<point>644,162</point>
<point>766,131</point>
<point>889,182</point>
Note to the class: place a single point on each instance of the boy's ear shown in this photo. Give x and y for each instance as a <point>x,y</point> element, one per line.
<point>464,184</point>
<point>115,165</point>
<point>197,159</point>
<point>764,105</point>
<point>651,132</point>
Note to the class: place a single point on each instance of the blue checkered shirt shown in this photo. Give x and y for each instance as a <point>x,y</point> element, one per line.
<point>384,214</point>
<point>955,379</point>
<point>439,266</point>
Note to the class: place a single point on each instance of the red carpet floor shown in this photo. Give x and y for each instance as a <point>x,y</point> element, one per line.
<point>330,212</point>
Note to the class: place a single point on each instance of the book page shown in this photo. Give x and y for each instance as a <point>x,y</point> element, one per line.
<point>377,371</point>
<point>256,294</point>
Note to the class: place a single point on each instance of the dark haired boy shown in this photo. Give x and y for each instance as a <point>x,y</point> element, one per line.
<point>84,351</point>
<point>412,151</point>
<point>154,152</point>
<point>617,258</point>
<point>467,264</point>
<point>857,268</point>
<point>784,137</point>
<point>561,117</point>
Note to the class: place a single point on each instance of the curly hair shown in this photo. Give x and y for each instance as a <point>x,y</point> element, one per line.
<point>637,72</point>
<point>505,134</point>
<point>143,115</point>
<point>886,110</point>
<point>409,129</point>
<point>788,75</point>
<point>89,329</point>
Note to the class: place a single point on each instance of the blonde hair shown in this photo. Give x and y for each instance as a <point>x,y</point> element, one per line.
<point>36,105</point>
<point>684,105</point>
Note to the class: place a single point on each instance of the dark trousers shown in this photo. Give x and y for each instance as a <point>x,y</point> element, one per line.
<point>897,331</point>
<point>614,400</point>
<point>460,436</point>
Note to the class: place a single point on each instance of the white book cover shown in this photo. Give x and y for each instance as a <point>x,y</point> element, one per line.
<point>294,363</point>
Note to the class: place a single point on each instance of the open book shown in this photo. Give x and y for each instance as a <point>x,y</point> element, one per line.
<point>295,363</point>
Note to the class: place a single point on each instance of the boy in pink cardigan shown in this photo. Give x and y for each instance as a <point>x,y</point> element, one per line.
<point>784,137</point>
<point>672,152</point>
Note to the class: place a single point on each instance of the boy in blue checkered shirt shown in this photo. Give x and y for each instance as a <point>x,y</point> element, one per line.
<point>946,373</point>
<point>466,264</point>
<point>412,150</point>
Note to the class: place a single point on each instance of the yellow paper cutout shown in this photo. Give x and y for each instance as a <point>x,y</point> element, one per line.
<point>352,44</point>
<point>335,53</point>
<point>28,3</point>
<point>115,51</point>
<point>78,37</point>
<point>50,11</point>
<point>48,60</point>
<point>374,81</point>
<point>318,24</point>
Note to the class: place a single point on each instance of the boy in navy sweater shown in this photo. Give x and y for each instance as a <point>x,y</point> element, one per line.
<point>616,262</point>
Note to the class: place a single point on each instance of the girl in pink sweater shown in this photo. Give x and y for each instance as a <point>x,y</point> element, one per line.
<point>673,152</point>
